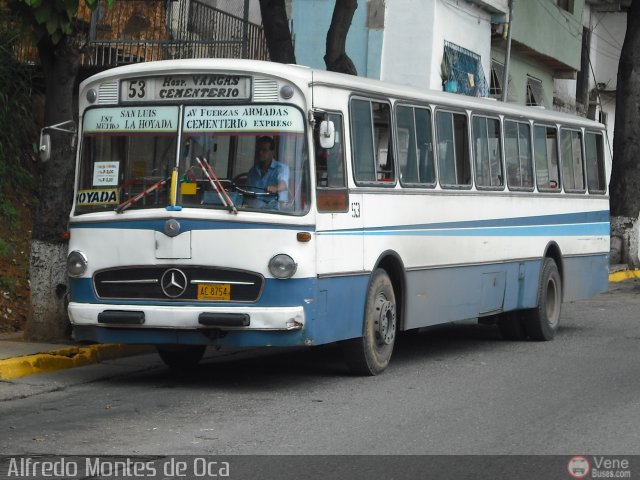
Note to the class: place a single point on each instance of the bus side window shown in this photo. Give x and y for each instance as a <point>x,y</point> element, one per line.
<point>545,144</point>
<point>372,152</point>
<point>487,151</point>
<point>331,193</point>
<point>453,149</point>
<point>594,153</point>
<point>415,152</point>
<point>572,162</point>
<point>517,148</point>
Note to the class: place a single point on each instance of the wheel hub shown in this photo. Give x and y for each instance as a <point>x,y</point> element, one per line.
<point>386,322</point>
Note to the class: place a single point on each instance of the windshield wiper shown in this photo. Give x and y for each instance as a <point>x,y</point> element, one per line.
<point>216,184</point>
<point>124,205</point>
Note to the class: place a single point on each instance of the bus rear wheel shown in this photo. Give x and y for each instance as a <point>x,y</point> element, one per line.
<point>542,322</point>
<point>180,357</point>
<point>371,353</point>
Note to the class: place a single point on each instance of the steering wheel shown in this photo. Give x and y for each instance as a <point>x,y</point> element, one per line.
<point>250,190</point>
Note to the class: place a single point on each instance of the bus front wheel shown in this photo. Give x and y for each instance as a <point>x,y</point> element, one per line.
<point>181,357</point>
<point>542,322</point>
<point>371,353</point>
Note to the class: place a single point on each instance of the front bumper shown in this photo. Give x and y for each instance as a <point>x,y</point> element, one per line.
<point>187,317</point>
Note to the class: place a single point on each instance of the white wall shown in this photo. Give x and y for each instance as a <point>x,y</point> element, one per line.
<point>609,29</point>
<point>407,46</point>
<point>414,39</point>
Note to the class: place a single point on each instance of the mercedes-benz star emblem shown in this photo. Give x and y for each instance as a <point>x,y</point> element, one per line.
<point>173,283</point>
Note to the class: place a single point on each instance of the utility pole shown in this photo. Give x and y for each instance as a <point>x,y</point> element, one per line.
<point>507,55</point>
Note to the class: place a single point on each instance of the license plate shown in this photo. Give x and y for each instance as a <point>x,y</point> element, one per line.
<point>220,291</point>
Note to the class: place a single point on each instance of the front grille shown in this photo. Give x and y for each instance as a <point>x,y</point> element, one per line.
<point>139,283</point>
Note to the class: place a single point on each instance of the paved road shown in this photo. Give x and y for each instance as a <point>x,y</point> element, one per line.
<point>451,390</point>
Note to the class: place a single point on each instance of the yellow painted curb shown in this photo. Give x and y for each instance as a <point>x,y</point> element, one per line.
<point>70,357</point>
<point>624,275</point>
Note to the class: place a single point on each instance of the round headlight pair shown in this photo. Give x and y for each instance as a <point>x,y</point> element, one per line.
<point>76,263</point>
<point>282,266</point>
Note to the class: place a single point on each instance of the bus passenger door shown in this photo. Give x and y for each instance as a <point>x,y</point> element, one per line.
<point>339,222</point>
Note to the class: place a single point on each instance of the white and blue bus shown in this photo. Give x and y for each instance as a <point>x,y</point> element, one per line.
<point>246,204</point>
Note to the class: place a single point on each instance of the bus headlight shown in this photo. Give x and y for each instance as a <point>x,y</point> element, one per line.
<point>282,266</point>
<point>76,263</point>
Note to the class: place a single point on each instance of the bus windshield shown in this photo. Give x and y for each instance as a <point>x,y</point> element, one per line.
<point>241,157</point>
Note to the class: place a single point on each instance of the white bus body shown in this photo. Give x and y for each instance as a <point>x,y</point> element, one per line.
<point>372,243</point>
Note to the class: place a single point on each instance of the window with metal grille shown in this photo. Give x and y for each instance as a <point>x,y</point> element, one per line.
<point>497,75</point>
<point>535,93</point>
<point>462,71</point>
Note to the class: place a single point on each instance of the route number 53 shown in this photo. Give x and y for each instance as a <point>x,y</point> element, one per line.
<point>137,88</point>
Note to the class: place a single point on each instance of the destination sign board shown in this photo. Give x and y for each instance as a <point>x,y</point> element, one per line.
<point>181,88</point>
<point>250,118</point>
<point>129,119</point>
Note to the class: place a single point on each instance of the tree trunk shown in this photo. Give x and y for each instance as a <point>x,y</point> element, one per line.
<point>60,64</point>
<point>625,174</point>
<point>336,58</point>
<point>624,187</point>
<point>276,31</point>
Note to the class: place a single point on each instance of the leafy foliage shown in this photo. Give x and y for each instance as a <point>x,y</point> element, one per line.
<point>18,129</point>
<point>50,18</point>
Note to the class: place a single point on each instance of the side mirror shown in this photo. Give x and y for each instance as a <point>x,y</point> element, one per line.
<point>45,139</point>
<point>45,146</point>
<point>327,134</point>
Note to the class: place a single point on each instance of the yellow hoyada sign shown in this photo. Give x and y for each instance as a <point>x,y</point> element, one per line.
<point>97,197</point>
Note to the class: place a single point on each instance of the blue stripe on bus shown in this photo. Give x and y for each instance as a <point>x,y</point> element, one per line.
<point>587,223</point>
<point>187,225</point>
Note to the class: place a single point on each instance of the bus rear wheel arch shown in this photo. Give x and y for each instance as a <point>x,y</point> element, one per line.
<point>371,353</point>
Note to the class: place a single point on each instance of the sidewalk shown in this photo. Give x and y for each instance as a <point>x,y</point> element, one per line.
<point>19,358</point>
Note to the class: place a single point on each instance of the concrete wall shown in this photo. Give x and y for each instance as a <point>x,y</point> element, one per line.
<point>520,67</point>
<point>549,30</point>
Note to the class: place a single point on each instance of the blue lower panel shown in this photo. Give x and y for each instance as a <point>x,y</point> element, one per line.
<point>333,311</point>
<point>457,293</point>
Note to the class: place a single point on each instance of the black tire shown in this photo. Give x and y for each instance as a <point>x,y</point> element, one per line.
<point>541,323</point>
<point>181,357</point>
<point>371,353</point>
<point>511,326</point>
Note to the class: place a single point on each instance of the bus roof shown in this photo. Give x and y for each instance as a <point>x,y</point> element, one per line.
<point>305,76</point>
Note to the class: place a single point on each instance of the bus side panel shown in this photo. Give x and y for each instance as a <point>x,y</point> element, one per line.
<point>436,296</point>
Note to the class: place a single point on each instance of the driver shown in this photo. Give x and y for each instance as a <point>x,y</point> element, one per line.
<point>268,175</point>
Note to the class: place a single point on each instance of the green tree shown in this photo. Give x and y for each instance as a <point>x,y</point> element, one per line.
<point>53,26</point>
<point>17,125</point>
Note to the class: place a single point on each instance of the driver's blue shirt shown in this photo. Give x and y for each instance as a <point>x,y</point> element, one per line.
<point>276,173</point>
